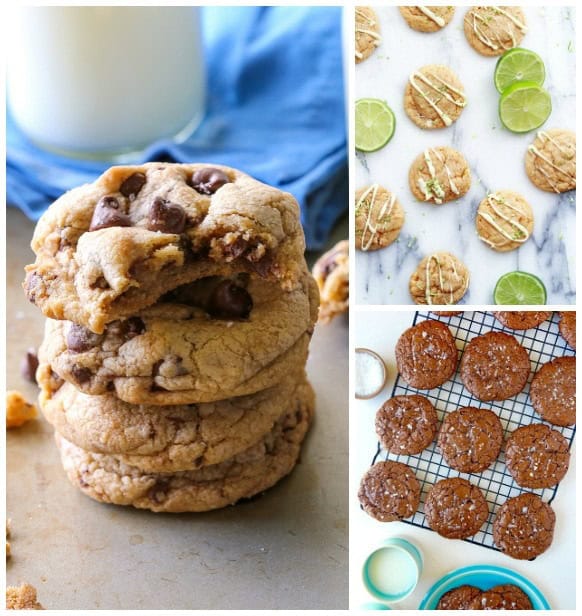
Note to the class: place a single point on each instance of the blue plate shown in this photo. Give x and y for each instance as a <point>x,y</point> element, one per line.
<point>484,577</point>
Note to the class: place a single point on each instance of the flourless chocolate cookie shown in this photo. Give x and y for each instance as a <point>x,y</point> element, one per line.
<point>553,391</point>
<point>459,598</point>
<point>524,526</point>
<point>455,508</point>
<point>525,319</point>
<point>494,366</point>
<point>502,597</point>
<point>567,327</point>
<point>406,424</point>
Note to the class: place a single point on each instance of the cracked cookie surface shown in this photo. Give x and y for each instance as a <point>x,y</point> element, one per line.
<point>553,391</point>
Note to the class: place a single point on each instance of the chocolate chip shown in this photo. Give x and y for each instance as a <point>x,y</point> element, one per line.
<point>166,217</point>
<point>80,374</point>
<point>134,326</point>
<point>108,213</point>
<point>132,185</point>
<point>32,286</point>
<point>208,180</point>
<point>80,339</point>
<point>229,301</point>
<point>28,365</point>
<point>158,492</point>
<point>100,283</point>
<point>236,249</point>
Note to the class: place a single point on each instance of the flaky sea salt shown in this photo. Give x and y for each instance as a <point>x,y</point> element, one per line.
<point>370,373</point>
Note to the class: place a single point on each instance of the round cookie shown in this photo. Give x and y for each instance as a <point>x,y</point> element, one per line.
<point>406,424</point>
<point>494,366</point>
<point>434,97</point>
<point>105,478</point>
<point>367,33</point>
<point>553,391</point>
<point>492,30</point>
<point>379,217</point>
<point>439,279</point>
<point>522,319</point>
<point>567,326</point>
<point>427,18</point>
<point>331,272</point>
<point>389,491</point>
<point>439,175</point>
<point>502,597</point>
<point>458,598</point>
<point>524,526</point>
<point>447,313</point>
<point>504,220</point>
<point>426,354</point>
<point>550,161</point>
<point>455,508</point>
<point>470,439</point>
<point>537,456</point>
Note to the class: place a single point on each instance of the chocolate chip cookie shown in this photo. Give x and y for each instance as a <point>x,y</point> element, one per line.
<point>537,456</point>
<point>406,424</point>
<point>567,327</point>
<point>494,366</point>
<point>502,597</point>
<point>332,274</point>
<point>524,319</point>
<point>389,491</point>
<point>470,439</point>
<point>455,508</point>
<point>524,526</point>
<point>109,249</point>
<point>426,354</point>
<point>459,598</point>
<point>553,391</point>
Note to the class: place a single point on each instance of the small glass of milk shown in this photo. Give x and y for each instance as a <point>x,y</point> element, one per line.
<point>105,81</point>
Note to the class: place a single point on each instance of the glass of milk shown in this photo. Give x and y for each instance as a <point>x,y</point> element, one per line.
<point>105,81</point>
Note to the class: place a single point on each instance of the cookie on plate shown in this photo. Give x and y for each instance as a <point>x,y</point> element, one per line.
<point>332,274</point>
<point>494,366</point>
<point>537,456</point>
<point>522,319</point>
<point>455,508</point>
<point>427,18</point>
<point>439,279</point>
<point>524,526</point>
<point>434,97</point>
<point>550,161</point>
<point>426,354</point>
<point>553,391</point>
<point>470,439</point>
<point>406,424</point>
<point>567,327</point>
<point>367,33</point>
<point>389,491</point>
<point>502,597</point>
<point>458,598</point>
<point>379,217</point>
<point>439,175</point>
<point>504,220</point>
<point>492,30</point>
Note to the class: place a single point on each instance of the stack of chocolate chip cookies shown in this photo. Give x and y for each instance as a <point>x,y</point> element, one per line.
<point>180,310</point>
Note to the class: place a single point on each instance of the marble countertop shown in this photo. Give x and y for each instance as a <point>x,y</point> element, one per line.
<point>495,155</point>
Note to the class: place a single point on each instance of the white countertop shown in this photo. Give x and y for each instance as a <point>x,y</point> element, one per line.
<point>495,155</point>
<point>553,572</point>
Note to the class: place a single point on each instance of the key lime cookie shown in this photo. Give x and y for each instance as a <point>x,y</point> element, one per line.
<point>550,161</point>
<point>427,18</point>
<point>434,97</point>
<point>379,218</point>
<point>439,175</point>
<point>492,30</point>
<point>439,279</point>
<point>367,33</point>
<point>504,220</point>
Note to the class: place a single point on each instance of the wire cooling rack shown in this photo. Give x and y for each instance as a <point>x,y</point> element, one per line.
<point>543,344</point>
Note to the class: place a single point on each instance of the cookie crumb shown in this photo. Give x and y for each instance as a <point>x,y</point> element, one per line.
<point>18,410</point>
<point>22,597</point>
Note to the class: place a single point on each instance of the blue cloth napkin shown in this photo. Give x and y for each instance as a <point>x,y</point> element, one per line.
<point>275,110</point>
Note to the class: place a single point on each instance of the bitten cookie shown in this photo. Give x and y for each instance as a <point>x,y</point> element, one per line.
<point>494,366</point>
<point>537,456</point>
<point>522,319</point>
<point>367,33</point>
<point>550,161</point>
<point>492,30</point>
<point>459,598</point>
<point>567,327</point>
<point>389,491</point>
<point>470,439</point>
<point>379,217</point>
<point>406,424</point>
<point>439,175</point>
<point>455,508</point>
<point>553,391</point>
<point>332,274</point>
<point>439,279</point>
<point>524,526</point>
<point>502,597</point>
<point>504,220</point>
<point>426,354</point>
<point>427,18</point>
<point>434,97</point>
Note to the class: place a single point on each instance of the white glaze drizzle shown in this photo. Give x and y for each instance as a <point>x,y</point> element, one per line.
<point>434,190</point>
<point>371,225</point>
<point>442,115</point>
<point>491,199</point>
<point>488,41</point>
<point>427,292</point>
<point>439,21</point>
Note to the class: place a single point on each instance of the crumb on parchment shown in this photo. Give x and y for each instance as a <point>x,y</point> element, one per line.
<point>18,410</point>
<point>22,597</point>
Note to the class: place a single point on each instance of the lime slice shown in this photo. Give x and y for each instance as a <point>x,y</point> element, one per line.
<point>524,106</point>
<point>375,124</point>
<point>519,288</point>
<point>518,65</point>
